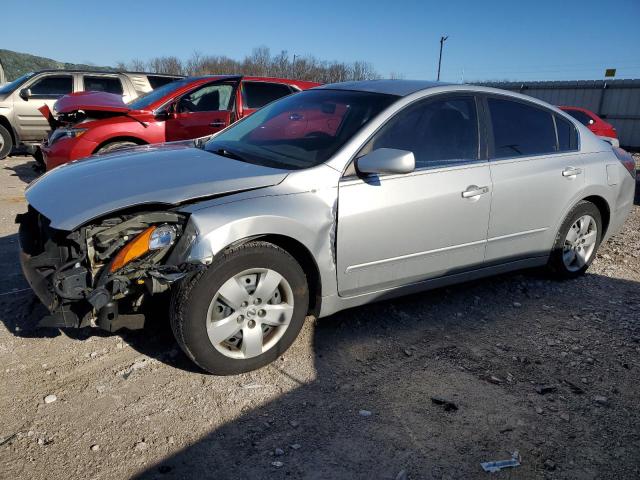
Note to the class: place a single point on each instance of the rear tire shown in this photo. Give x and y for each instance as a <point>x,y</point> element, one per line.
<point>6,142</point>
<point>113,146</point>
<point>577,242</point>
<point>220,320</point>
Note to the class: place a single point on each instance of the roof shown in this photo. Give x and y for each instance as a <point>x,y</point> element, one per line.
<point>400,88</point>
<point>89,70</point>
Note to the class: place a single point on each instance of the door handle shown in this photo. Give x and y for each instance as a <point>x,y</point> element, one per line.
<point>571,172</point>
<point>218,123</point>
<point>474,191</point>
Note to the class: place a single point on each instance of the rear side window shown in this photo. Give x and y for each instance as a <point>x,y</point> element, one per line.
<point>52,86</point>
<point>582,117</point>
<point>103,84</point>
<point>567,135</point>
<point>157,81</point>
<point>520,129</point>
<point>258,94</point>
<point>438,132</point>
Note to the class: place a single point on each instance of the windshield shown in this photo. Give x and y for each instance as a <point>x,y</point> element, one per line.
<point>11,86</point>
<point>143,102</point>
<point>302,130</point>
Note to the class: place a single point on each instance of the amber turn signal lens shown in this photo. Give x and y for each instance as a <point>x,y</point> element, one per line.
<point>132,250</point>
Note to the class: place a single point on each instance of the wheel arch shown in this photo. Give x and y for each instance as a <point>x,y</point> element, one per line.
<point>121,138</point>
<point>4,121</point>
<point>303,256</point>
<point>604,209</point>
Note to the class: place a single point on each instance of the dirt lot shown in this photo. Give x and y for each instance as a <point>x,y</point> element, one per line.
<point>352,398</point>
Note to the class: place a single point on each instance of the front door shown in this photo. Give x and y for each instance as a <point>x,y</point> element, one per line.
<point>395,230</point>
<point>45,90</point>
<point>203,111</point>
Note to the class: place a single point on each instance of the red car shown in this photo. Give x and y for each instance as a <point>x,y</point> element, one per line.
<point>96,122</point>
<point>593,122</point>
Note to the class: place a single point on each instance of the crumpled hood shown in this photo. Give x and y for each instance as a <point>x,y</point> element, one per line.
<point>91,101</point>
<point>78,192</point>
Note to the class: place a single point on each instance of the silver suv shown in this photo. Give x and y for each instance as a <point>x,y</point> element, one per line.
<point>21,124</point>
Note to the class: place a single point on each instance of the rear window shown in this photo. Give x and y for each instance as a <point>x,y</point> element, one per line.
<point>103,84</point>
<point>582,117</point>
<point>258,94</point>
<point>520,129</point>
<point>52,86</point>
<point>157,81</point>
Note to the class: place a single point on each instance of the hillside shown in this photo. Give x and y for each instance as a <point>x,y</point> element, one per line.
<point>16,64</point>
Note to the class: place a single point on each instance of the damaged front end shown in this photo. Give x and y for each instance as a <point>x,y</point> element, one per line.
<point>101,273</point>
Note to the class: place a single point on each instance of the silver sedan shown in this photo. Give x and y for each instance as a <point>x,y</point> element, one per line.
<point>325,200</point>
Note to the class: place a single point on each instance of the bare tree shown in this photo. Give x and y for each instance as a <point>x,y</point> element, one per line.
<point>259,63</point>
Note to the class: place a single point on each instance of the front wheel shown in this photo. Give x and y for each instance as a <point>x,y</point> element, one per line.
<point>243,311</point>
<point>113,146</point>
<point>577,241</point>
<point>6,142</point>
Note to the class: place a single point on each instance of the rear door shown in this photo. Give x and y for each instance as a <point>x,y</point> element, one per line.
<point>45,90</point>
<point>204,110</point>
<point>536,170</point>
<point>395,230</point>
<point>104,83</point>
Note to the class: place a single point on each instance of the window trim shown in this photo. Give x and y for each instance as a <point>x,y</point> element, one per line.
<point>484,97</point>
<point>350,172</point>
<point>45,96</point>
<point>176,98</point>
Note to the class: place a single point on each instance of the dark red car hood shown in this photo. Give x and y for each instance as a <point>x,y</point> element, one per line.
<point>91,101</point>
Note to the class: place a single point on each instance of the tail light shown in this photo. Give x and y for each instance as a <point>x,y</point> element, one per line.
<point>626,159</point>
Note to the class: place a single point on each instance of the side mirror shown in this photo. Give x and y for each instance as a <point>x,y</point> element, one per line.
<point>386,160</point>
<point>168,112</point>
<point>25,93</point>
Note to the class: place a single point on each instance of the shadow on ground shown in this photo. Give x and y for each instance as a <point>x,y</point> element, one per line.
<point>24,171</point>
<point>482,345</point>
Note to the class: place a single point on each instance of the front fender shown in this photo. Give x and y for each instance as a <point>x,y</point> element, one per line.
<point>309,218</point>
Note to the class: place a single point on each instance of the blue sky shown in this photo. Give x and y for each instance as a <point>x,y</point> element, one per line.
<point>501,40</point>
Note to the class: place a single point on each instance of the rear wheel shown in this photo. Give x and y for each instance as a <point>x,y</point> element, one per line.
<point>113,146</point>
<point>243,311</point>
<point>577,241</point>
<point>6,142</point>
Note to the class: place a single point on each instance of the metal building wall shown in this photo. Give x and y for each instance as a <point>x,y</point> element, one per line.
<point>617,101</point>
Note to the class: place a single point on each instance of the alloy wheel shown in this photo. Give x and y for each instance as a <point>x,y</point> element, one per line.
<point>580,243</point>
<point>250,313</point>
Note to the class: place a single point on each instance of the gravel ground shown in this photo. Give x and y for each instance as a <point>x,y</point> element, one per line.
<point>550,370</point>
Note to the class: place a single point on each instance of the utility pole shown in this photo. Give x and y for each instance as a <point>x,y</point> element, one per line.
<point>442,40</point>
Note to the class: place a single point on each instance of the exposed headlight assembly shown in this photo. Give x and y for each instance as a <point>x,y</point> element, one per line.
<point>153,238</point>
<point>61,133</point>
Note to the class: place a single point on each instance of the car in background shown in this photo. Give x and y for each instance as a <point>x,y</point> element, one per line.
<point>324,200</point>
<point>89,123</point>
<point>21,123</point>
<point>594,123</point>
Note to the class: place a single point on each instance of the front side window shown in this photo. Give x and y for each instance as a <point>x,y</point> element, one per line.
<point>582,117</point>
<point>301,130</point>
<point>52,86</point>
<point>520,129</point>
<point>258,94</point>
<point>103,84</point>
<point>438,132</point>
<point>210,98</point>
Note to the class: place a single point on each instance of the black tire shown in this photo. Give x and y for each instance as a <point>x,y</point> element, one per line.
<point>6,141</point>
<point>556,265</point>
<point>191,300</point>
<point>113,146</point>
